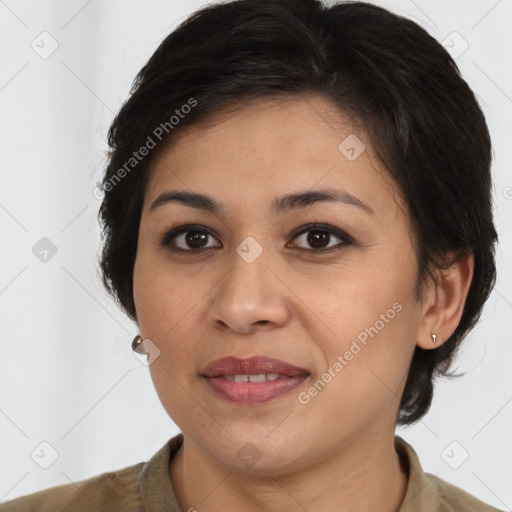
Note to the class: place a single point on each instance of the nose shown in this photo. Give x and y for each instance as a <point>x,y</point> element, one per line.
<point>251,296</point>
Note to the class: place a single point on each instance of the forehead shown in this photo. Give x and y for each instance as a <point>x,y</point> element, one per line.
<point>271,147</point>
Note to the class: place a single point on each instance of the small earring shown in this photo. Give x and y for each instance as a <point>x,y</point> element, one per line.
<point>137,345</point>
<point>434,338</point>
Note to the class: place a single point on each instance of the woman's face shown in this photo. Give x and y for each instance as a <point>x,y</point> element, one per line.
<point>335,304</point>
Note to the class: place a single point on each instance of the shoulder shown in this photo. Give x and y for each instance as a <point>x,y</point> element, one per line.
<point>143,486</point>
<point>113,491</point>
<point>428,493</point>
<point>453,498</point>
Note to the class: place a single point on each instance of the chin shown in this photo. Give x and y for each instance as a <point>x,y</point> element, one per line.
<point>254,450</point>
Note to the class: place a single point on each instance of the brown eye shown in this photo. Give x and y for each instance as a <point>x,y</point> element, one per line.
<point>188,239</point>
<point>195,238</point>
<point>318,239</point>
<point>319,236</point>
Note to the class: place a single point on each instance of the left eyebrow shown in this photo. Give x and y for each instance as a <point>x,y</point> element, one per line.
<point>297,200</point>
<point>279,206</point>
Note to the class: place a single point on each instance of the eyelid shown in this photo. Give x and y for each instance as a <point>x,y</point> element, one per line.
<point>168,236</point>
<point>184,228</point>
<point>322,226</point>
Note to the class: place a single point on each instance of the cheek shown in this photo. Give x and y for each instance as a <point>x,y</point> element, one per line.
<point>159,293</point>
<point>358,297</point>
<point>164,303</point>
<point>370,316</point>
<point>168,303</point>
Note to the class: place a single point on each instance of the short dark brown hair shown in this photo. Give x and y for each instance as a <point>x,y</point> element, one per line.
<point>381,69</point>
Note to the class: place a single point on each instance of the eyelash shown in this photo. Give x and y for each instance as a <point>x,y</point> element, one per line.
<point>322,227</point>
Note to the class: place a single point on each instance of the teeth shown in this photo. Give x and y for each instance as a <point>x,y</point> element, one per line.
<point>259,377</point>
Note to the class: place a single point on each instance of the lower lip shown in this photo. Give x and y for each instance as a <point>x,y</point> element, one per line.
<point>248,393</point>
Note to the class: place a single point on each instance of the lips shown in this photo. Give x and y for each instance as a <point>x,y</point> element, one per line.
<point>252,366</point>
<point>254,380</point>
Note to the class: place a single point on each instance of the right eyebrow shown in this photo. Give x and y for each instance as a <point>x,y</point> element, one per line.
<point>279,206</point>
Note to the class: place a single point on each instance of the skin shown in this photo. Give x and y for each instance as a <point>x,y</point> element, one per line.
<point>304,307</point>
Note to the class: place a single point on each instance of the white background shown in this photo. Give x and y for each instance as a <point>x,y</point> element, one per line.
<point>67,373</point>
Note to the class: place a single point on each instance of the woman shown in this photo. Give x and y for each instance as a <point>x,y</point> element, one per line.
<point>297,215</point>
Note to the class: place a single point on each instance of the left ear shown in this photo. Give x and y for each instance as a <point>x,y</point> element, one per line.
<point>444,300</point>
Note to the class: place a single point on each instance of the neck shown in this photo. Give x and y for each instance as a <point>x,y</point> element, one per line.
<point>364,476</point>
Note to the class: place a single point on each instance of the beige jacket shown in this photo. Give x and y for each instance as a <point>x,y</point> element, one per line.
<point>146,487</point>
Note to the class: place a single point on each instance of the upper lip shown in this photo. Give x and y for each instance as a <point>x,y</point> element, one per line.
<point>251,366</point>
